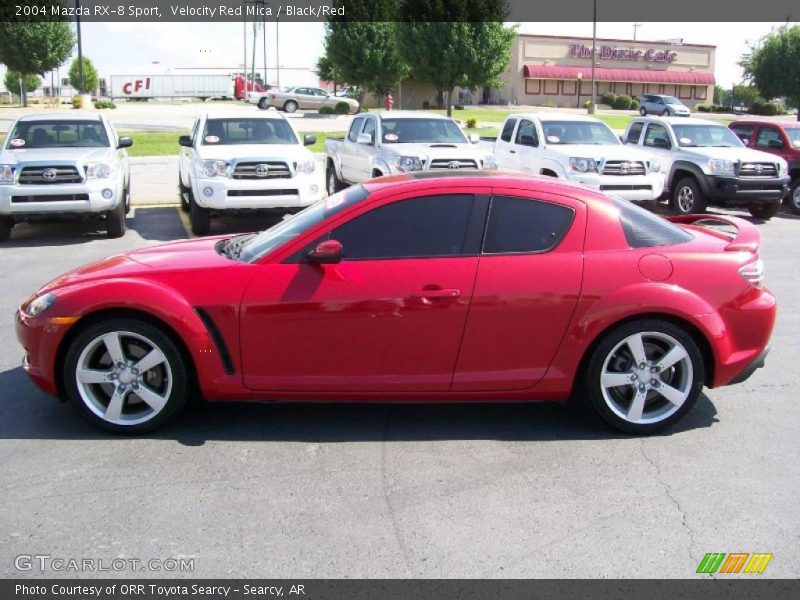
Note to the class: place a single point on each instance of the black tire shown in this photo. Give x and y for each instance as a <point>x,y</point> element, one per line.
<point>169,379</point>
<point>765,210</point>
<point>115,221</point>
<point>127,194</point>
<point>793,199</point>
<point>332,181</point>
<point>686,376</point>
<point>6,225</point>
<point>262,104</point>
<point>666,113</point>
<point>290,106</point>
<point>185,194</point>
<point>199,218</point>
<point>643,111</point>
<point>687,198</point>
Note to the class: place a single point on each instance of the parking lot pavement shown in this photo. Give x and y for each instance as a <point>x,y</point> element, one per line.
<point>397,490</point>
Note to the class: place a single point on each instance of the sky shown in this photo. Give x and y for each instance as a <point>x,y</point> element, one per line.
<point>155,48</point>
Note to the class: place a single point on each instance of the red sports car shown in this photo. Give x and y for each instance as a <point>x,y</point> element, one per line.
<point>472,286</point>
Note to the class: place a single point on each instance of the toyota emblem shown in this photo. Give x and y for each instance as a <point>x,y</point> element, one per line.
<point>624,167</point>
<point>262,170</point>
<point>49,174</point>
<point>759,168</point>
<point>454,164</point>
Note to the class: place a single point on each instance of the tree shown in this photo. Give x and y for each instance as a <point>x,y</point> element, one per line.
<point>90,78</point>
<point>34,47</point>
<point>461,44</point>
<point>327,71</point>
<point>773,64</point>
<point>719,94</point>
<point>745,95</point>
<point>12,79</point>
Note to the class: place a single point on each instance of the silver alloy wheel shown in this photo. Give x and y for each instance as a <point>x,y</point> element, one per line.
<point>685,199</point>
<point>795,199</point>
<point>646,377</point>
<point>331,182</point>
<point>124,378</point>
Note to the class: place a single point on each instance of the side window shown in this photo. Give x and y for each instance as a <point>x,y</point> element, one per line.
<point>766,135</point>
<point>656,136</point>
<point>369,127</point>
<point>526,134</point>
<point>194,130</point>
<point>355,128</point>
<point>743,132</point>
<point>634,132</point>
<point>523,225</point>
<point>428,226</point>
<point>304,91</point>
<point>508,130</point>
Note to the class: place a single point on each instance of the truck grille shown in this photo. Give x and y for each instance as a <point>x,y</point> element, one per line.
<point>285,192</point>
<point>759,169</point>
<point>46,175</point>
<point>50,198</point>
<point>623,167</point>
<point>262,170</point>
<point>624,188</point>
<point>450,163</point>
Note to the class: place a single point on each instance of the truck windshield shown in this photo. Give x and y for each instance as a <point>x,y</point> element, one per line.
<point>57,134</point>
<point>706,136</point>
<point>422,131</point>
<point>268,240</point>
<point>578,132</point>
<point>220,132</point>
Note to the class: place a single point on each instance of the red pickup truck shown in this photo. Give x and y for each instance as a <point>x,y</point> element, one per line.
<point>777,137</point>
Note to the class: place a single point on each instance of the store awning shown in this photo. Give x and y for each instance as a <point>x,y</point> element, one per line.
<point>625,75</point>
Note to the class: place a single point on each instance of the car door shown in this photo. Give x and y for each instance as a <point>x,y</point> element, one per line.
<point>349,151</point>
<point>770,139</point>
<point>388,317</point>
<point>658,143</point>
<point>527,146</point>
<point>526,290</point>
<point>305,99</point>
<point>505,152</point>
<point>366,152</point>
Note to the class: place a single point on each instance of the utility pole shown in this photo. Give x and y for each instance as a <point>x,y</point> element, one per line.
<point>635,27</point>
<point>264,29</point>
<point>244,47</point>
<point>278,49</point>
<point>593,106</point>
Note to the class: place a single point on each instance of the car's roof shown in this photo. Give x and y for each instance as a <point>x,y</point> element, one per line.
<point>792,124</point>
<point>231,114</point>
<point>551,116</point>
<point>410,114</point>
<point>679,120</point>
<point>59,116</point>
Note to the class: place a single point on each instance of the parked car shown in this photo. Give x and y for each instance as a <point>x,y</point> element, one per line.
<point>293,98</point>
<point>53,165</point>
<point>706,163</point>
<point>399,141</point>
<point>231,162</point>
<point>781,138</point>
<point>465,286</point>
<point>578,148</point>
<point>665,106</point>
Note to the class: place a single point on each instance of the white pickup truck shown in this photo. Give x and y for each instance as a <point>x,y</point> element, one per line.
<point>577,148</point>
<point>392,142</point>
<point>53,165</point>
<point>231,162</point>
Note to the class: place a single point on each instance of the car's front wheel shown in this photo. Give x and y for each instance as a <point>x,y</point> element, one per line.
<point>334,184</point>
<point>687,198</point>
<point>125,376</point>
<point>184,193</point>
<point>6,225</point>
<point>765,210</point>
<point>643,111</point>
<point>115,220</point>
<point>793,199</point>
<point>644,376</point>
<point>290,106</point>
<point>262,104</point>
<point>199,218</point>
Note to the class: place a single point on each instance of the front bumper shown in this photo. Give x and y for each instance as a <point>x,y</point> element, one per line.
<point>27,200</point>
<point>221,193</point>
<point>629,187</point>
<point>746,189</point>
<point>39,340</point>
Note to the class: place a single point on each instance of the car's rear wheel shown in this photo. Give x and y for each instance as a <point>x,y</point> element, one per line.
<point>334,184</point>
<point>125,376</point>
<point>115,221</point>
<point>666,113</point>
<point>290,106</point>
<point>6,225</point>
<point>185,195</point>
<point>262,104</point>
<point>687,198</point>
<point>199,218</point>
<point>643,111</point>
<point>793,199</point>
<point>644,376</point>
<point>765,210</point>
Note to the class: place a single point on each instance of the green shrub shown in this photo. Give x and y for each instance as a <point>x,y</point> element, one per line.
<point>588,104</point>
<point>549,104</point>
<point>341,108</point>
<point>77,101</point>
<point>458,107</point>
<point>100,104</point>
<point>622,102</point>
<point>472,122</point>
<point>634,104</point>
<point>762,107</point>
<point>703,108</point>
<point>719,108</point>
<point>326,110</point>
<point>609,98</point>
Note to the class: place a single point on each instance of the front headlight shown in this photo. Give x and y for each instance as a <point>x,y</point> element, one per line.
<point>654,166</point>
<point>40,304</point>
<point>6,174</point>
<point>408,163</point>
<point>98,171</point>
<point>214,168</point>
<point>307,166</point>
<point>783,168</point>
<point>490,162</point>
<point>583,165</point>
<point>720,166</point>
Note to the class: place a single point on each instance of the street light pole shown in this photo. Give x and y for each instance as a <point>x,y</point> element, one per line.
<point>579,77</point>
<point>80,47</point>
<point>244,46</point>
<point>593,106</point>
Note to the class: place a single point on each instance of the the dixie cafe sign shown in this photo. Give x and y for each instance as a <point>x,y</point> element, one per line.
<point>632,54</point>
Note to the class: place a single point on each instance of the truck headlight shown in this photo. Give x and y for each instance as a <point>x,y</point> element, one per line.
<point>306,167</point>
<point>214,168</point>
<point>98,171</point>
<point>719,166</point>
<point>783,168</point>
<point>490,162</point>
<point>408,163</point>
<point>583,165</point>
<point>40,304</point>
<point>654,166</point>
<point>6,174</point>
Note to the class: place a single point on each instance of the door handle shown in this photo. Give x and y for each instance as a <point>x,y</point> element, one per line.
<point>512,151</point>
<point>429,296</point>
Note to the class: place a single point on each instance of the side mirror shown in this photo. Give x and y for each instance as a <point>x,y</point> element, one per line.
<point>124,142</point>
<point>326,253</point>
<point>364,138</point>
<point>309,139</point>
<point>185,141</point>
<point>661,143</point>
<point>527,140</point>
<point>776,144</point>
<point>622,139</point>
<point>474,138</point>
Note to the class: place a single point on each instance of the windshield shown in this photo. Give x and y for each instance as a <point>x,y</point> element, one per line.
<point>578,132</point>
<point>219,132</point>
<point>268,240</point>
<point>58,134</point>
<point>671,100</point>
<point>422,131</point>
<point>706,136</point>
<point>793,133</point>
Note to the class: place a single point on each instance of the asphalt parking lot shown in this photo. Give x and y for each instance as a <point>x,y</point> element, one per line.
<point>420,490</point>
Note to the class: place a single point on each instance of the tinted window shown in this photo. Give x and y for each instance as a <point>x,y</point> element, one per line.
<point>420,227</point>
<point>369,127</point>
<point>634,133</point>
<point>767,135</point>
<point>578,132</point>
<point>526,134</point>
<point>421,131</point>
<point>508,130</point>
<point>522,225</point>
<point>58,134</point>
<point>247,131</point>
<point>656,132</point>
<point>706,135</point>
<point>644,229</point>
<point>354,128</point>
<point>744,132</point>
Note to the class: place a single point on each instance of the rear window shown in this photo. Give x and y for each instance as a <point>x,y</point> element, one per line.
<point>508,130</point>
<point>644,229</point>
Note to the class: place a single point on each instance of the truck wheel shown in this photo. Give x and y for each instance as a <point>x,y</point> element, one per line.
<point>290,106</point>
<point>199,218</point>
<point>262,104</point>
<point>793,199</point>
<point>185,194</point>
<point>765,210</point>
<point>6,225</point>
<point>643,111</point>
<point>334,184</point>
<point>687,197</point>
<point>127,196</point>
<point>115,221</point>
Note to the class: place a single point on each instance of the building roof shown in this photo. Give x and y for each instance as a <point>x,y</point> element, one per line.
<point>615,40</point>
<point>627,75</point>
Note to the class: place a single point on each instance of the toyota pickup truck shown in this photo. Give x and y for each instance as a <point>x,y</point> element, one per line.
<point>705,163</point>
<point>386,143</point>
<point>580,149</point>
<point>58,165</point>
<point>235,163</point>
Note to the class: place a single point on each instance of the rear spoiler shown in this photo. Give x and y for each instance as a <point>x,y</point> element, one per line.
<point>746,239</point>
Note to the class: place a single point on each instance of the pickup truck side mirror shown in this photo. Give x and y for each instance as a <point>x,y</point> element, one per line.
<point>474,138</point>
<point>364,138</point>
<point>124,142</point>
<point>661,143</point>
<point>622,139</point>
<point>185,141</point>
<point>776,144</point>
<point>309,139</point>
<point>328,252</point>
